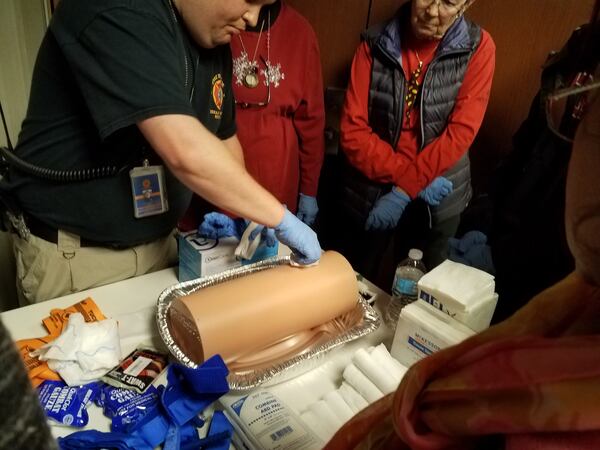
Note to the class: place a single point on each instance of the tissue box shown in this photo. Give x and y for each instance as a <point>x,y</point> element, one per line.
<point>463,292</point>
<point>423,330</point>
<point>201,257</point>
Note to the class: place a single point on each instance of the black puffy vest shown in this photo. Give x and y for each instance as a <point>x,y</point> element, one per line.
<point>441,84</point>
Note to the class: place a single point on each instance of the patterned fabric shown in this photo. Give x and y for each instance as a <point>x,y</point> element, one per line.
<point>22,422</point>
<point>532,379</point>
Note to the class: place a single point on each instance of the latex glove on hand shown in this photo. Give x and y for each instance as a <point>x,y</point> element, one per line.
<point>307,209</point>
<point>300,238</point>
<point>252,235</point>
<point>216,225</point>
<point>387,211</point>
<point>267,235</point>
<point>437,190</point>
<point>472,250</point>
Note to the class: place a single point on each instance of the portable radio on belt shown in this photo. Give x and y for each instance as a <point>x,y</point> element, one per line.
<point>148,190</point>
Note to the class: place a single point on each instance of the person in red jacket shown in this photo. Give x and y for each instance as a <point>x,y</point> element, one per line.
<point>278,89</point>
<point>533,380</point>
<point>419,87</point>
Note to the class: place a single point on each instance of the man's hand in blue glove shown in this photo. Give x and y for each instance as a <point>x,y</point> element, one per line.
<point>387,210</point>
<point>300,238</point>
<point>437,190</point>
<point>267,235</point>
<point>307,209</point>
<point>216,225</point>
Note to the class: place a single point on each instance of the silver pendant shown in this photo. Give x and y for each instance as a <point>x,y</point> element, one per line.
<point>251,79</point>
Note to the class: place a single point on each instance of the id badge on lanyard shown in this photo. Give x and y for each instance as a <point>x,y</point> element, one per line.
<point>148,189</point>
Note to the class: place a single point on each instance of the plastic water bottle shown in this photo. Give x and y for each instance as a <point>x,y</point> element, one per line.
<point>404,289</point>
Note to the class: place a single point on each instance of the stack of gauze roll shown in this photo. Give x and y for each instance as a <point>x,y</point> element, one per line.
<point>245,315</point>
<point>372,374</point>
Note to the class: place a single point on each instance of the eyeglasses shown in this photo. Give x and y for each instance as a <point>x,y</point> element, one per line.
<point>444,6</point>
<point>565,107</point>
<point>246,105</point>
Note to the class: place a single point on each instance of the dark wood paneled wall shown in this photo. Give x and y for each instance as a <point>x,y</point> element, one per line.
<point>338,24</point>
<point>525,31</point>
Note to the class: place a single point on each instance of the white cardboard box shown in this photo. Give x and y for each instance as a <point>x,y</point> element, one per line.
<point>463,292</point>
<point>423,330</point>
<point>201,257</point>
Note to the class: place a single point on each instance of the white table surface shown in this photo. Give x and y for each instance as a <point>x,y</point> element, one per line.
<point>133,303</point>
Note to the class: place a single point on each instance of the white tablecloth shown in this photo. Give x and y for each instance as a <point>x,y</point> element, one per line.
<point>133,301</point>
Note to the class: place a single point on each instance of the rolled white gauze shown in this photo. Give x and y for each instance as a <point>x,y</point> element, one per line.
<point>353,399</point>
<point>331,422</point>
<point>359,381</point>
<point>313,422</point>
<point>384,381</point>
<point>338,405</point>
<point>382,357</point>
<point>250,313</point>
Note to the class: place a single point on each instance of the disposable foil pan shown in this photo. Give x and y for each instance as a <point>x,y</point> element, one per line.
<point>362,320</point>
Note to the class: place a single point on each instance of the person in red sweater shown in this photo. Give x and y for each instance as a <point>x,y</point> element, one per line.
<point>419,87</point>
<point>278,89</point>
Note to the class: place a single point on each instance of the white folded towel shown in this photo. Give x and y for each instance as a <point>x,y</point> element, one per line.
<point>460,286</point>
<point>84,351</point>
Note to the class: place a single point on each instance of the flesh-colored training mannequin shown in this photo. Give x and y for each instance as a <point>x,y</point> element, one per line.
<point>247,314</point>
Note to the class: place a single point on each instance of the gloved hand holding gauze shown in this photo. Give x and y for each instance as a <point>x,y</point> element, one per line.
<point>247,314</point>
<point>84,351</point>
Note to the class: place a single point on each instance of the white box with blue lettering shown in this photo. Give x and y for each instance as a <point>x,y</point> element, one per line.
<point>423,330</point>
<point>200,256</point>
<point>463,292</point>
<point>261,421</point>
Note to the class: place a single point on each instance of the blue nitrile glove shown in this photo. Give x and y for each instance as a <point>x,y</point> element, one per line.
<point>307,209</point>
<point>267,235</point>
<point>437,190</point>
<point>216,225</point>
<point>472,250</point>
<point>387,211</point>
<point>92,439</point>
<point>468,240</point>
<point>300,238</point>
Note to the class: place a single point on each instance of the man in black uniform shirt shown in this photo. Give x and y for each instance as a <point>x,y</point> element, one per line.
<point>143,86</point>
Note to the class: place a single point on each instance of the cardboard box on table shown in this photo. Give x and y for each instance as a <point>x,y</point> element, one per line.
<point>464,293</point>
<point>201,257</point>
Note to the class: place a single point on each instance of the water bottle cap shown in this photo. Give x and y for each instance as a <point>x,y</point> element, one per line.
<point>415,253</point>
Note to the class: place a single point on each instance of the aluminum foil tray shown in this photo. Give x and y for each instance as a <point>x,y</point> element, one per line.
<point>307,351</point>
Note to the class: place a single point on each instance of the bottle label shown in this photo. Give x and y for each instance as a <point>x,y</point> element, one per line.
<point>403,286</point>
